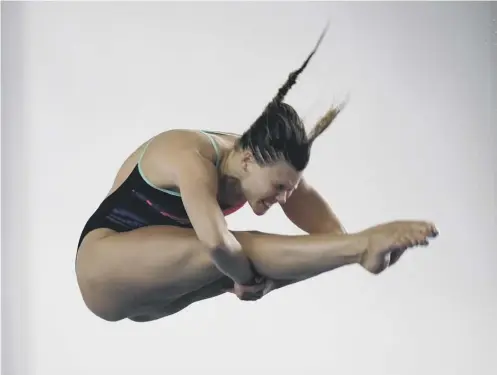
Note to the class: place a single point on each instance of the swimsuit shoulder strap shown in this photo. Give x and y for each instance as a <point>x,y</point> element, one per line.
<point>214,144</point>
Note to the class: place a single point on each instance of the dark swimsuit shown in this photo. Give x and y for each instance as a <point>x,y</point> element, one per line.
<point>138,203</point>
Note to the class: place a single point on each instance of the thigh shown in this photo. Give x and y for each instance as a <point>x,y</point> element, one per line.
<point>119,273</point>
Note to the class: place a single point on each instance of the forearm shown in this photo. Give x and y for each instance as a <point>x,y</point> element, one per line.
<point>324,219</point>
<point>233,264</point>
<point>310,212</point>
<point>228,256</point>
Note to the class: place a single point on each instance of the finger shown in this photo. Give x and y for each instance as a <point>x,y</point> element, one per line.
<point>250,287</point>
<point>250,297</point>
<point>256,288</point>
<point>255,298</point>
<point>248,291</point>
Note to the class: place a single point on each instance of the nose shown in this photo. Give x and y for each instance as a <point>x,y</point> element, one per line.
<point>282,197</point>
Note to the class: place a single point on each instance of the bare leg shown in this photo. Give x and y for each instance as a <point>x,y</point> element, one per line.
<point>212,290</point>
<point>159,311</point>
<point>217,288</point>
<point>120,273</point>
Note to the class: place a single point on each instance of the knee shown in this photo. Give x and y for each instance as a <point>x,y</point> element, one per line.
<point>96,292</point>
<point>104,311</point>
<point>104,305</point>
<point>107,311</point>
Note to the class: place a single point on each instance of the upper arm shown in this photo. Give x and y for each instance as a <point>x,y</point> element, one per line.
<point>197,180</point>
<point>296,208</point>
<point>309,211</point>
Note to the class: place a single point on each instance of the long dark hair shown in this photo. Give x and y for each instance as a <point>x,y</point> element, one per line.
<point>279,132</point>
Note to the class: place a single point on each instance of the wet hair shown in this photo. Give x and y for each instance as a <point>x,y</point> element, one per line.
<point>279,132</point>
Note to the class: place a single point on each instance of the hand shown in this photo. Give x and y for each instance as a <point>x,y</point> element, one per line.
<point>252,292</point>
<point>388,242</point>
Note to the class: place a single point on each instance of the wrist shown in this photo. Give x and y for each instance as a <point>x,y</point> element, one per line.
<point>233,264</point>
<point>360,248</point>
<point>351,248</point>
<point>254,278</point>
<point>251,282</point>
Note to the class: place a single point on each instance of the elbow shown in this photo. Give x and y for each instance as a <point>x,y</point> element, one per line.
<point>220,254</point>
<point>212,246</point>
<point>224,249</point>
<point>221,245</point>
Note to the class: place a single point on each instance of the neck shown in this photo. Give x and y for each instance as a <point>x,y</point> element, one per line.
<point>229,165</point>
<point>230,172</point>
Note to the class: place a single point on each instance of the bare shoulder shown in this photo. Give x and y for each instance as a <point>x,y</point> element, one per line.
<point>168,149</point>
<point>164,154</point>
<point>198,140</point>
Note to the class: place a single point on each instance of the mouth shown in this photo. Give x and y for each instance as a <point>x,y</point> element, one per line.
<point>266,204</point>
<point>263,207</point>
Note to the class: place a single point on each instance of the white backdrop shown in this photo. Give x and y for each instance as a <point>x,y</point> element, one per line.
<point>84,84</point>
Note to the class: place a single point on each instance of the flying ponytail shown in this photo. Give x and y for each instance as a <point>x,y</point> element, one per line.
<point>325,121</point>
<point>292,78</point>
<point>279,132</point>
<point>331,114</point>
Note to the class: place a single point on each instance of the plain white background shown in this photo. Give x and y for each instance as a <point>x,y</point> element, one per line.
<point>84,84</point>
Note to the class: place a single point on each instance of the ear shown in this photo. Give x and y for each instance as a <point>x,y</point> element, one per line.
<point>247,160</point>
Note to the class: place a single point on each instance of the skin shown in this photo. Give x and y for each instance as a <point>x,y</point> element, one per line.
<point>156,271</point>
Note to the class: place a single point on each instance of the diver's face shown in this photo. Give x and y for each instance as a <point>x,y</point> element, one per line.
<point>264,186</point>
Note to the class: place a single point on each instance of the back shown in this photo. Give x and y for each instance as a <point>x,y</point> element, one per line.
<point>158,156</point>
<point>146,192</point>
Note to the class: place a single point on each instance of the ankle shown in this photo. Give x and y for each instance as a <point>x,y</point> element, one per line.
<point>358,245</point>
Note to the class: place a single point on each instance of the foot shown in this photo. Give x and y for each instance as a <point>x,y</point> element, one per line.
<point>387,242</point>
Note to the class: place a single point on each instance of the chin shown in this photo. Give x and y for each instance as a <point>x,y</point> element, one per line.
<point>259,212</point>
<point>259,208</point>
